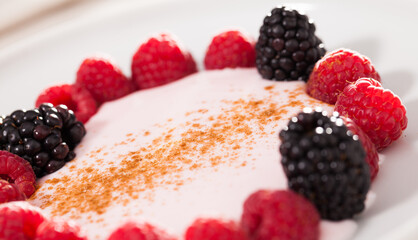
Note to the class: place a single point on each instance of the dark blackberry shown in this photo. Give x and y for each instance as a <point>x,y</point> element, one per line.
<point>72,131</point>
<point>45,137</point>
<point>324,162</point>
<point>287,48</point>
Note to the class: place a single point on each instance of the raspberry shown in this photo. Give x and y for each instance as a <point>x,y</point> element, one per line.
<point>378,111</point>
<point>19,220</point>
<point>103,79</point>
<point>10,192</point>
<point>60,94</point>
<point>213,229</point>
<point>336,70</point>
<point>372,158</point>
<point>76,98</point>
<point>18,171</point>
<point>52,230</point>
<point>159,61</point>
<point>85,107</point>
<point>134,231</point>
<point>230,49</point>
<point>282,215</point>
<point>325,162</point>
<point>287,47</point>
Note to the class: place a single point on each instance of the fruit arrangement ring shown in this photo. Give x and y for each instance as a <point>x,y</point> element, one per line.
<point>329,159</point>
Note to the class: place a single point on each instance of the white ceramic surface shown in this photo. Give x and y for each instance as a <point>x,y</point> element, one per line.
<point>383,30</point>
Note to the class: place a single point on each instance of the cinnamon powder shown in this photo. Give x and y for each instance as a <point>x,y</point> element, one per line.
<point>205,141</point>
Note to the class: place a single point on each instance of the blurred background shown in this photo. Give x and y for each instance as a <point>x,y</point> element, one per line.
<point>22,18</point>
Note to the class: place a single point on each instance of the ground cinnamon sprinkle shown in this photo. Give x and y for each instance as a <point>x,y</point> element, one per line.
<point>269,87</point>
<point>204,140</point>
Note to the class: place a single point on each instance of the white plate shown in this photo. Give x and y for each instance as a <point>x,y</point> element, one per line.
<point>384,31</point>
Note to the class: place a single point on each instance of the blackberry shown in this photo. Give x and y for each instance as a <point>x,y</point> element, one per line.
<point>325,162</point>
<point>44,136</point>
<point>287,48</point>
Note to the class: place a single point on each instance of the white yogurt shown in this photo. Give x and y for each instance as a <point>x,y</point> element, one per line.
<point>241,165</point>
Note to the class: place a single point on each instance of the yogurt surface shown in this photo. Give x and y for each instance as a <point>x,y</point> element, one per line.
<point>197,147</point>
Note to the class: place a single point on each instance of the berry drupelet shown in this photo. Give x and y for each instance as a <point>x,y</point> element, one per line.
<point>280,214</point>
<point>211,228</point>
<point>325,162</point>
<point>287,48</point>
<point>20,220</point>
<point>379,112</point>
<point>44,136</point>
<point>335,71</point>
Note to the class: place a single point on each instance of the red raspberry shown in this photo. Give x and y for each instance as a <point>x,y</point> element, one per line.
<point>159,61</point>
<point>230,49</point>
<point>372,158</point>
<point>213,229</point>
<point>18,171</point>
<point>378,111</point>
<point>74,97</point>
<point>279,215</point>
<point>52,230</point>
<point>103,79</point>
<point>336,70</point>
<point>10,192</point>
<point>19,221</point>
<point>60,94</point>
<point>134,231</point>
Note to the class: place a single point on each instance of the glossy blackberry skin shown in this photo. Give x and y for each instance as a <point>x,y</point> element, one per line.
<point>44,136</point>
<point>287,48</point>
<point>325,162</point>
